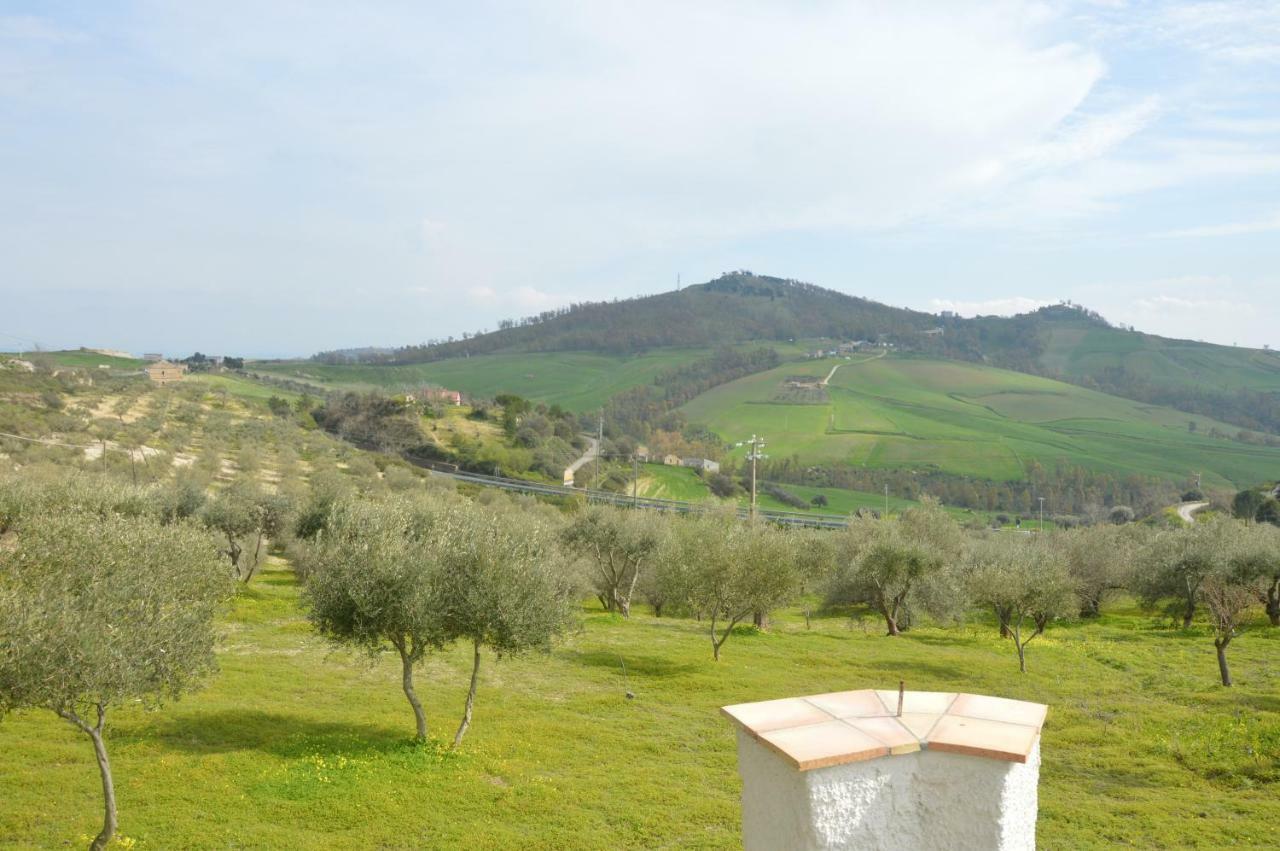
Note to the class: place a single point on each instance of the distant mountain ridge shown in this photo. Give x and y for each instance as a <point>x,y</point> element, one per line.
<point>736,307</point>
<point>1063,341</point>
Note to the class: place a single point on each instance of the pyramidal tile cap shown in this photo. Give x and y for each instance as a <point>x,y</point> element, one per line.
<point>767,715</point>
<point>936,702</point>
<point>849,704</point>
<point>848,726</point>
<point>894,735</point>
<point>1000,709</point>
<point>821,745</point>
<point>979,737</point>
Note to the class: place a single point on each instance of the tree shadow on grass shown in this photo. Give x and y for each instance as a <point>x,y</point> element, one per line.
<point>231,730</point>
<point>907,669</point>
<point>637,665</point>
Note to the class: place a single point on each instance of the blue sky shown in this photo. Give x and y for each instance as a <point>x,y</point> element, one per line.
<point>286,177</point>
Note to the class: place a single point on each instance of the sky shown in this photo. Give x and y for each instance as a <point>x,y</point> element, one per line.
<point>270,179</point>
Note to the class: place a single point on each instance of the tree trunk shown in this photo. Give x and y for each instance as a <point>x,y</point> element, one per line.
<point>631,592</point>
<point>108,790</point>
<point>760,620</point>
<point>406,681</point>
<point>715,645</point>
<point>109,823</point>
<point>1221,645</point>
<point>1002,617</point>
<point>1090,608</point>
<point>1273,601</point>
<point>1189,613</point>
<point>890,614</point>
<point>1022,647</point>
<point>471,698</point>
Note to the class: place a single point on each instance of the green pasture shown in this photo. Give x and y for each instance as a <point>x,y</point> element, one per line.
<point>76,358</point>
<point>243,388</point>
<point>973,420</point>
<point>1074,350</point>
<point>579,381</point>
<point>669,482</point>
<point>295,746</point>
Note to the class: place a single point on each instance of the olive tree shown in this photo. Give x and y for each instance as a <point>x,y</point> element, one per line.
<point>246,516</point>
<point>893,565</point>
<point>1228,597</point>
<point>501,584</point>
<point>97,611</point>
<point>1100,560</point>
<point>1026,580</point>
<point>725,571</point>
<point>620,546</point>
<point>1257,560</point>
<point>372,584</point>
<point>1174,565</point>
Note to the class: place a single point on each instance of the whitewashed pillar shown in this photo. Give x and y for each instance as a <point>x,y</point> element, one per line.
<point>845,771</point>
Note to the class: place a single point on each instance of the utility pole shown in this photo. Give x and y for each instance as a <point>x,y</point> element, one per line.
<point>1041,514</point>
<point>635,478</point>
<point>599,443</point>
<point>756,443</point>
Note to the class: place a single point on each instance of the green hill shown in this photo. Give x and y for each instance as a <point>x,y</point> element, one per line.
<point>735,308</point>
<point>578,381</point>
<point>969,420</point>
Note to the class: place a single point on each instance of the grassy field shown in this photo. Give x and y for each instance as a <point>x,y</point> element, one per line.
<point>664,482</point>
<point>973,420</point>
<point>578,381</point>
<point>1077,350</point>
<point>295,746</point>
<point>83,359</point>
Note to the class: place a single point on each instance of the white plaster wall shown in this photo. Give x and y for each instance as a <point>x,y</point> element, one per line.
<point>926,800</point>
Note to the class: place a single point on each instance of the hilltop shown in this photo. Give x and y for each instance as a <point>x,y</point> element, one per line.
<point>1067,342</point>
<point>734,308</point>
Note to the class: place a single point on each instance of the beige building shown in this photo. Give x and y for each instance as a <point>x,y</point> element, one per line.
<point>163,372</point>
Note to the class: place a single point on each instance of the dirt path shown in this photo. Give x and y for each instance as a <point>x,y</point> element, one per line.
<point>593,448</point>
<point>825,381</point>
<point>1187,509</point>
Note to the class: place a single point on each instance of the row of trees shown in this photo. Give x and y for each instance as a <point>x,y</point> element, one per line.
<point>714,568</point>
<point>108,593</point>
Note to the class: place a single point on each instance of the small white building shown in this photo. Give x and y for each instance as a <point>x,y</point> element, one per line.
<point>704,464</point>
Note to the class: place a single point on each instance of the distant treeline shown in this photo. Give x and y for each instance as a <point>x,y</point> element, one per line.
<point>640,410</point>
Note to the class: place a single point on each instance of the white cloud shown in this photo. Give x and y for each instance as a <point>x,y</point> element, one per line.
<point>1008,306</point>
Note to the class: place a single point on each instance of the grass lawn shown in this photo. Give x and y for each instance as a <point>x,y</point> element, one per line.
<point>294,746</point>
<point>971,420</point>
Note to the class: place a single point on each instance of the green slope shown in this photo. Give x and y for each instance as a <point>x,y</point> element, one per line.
<point>1079,352</point>
<point>965,419</point>
<point>578,381</point>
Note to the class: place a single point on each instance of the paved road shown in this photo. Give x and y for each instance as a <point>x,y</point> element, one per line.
<point>1186,509</point>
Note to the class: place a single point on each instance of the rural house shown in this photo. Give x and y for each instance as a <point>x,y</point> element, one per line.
<point>438,394</point>
<point>671,460</point>
<point>163,372</point>
<point>703,464</point>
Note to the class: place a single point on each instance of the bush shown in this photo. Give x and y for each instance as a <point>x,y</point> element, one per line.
<point>1121,515</point>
